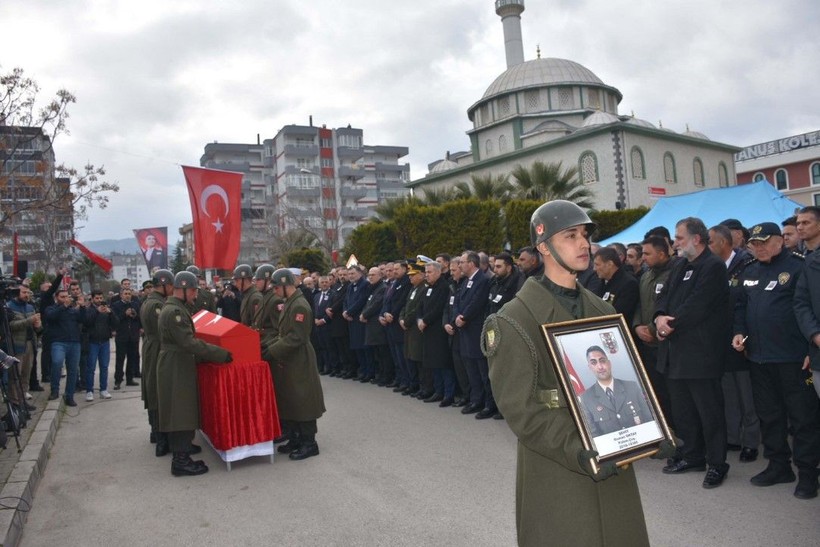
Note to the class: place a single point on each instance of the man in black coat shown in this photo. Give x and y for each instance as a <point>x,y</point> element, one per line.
<point>339,327</point>
<point>127,339</point>
<point>320,336</point>
<point>618,287</point>
<point>470,313</point>
<point>375,338</point>
<point>354,303</point>
<point>394,299</point>
<point>692,321</point>
<point>435,340</point>
<point>508,279</point>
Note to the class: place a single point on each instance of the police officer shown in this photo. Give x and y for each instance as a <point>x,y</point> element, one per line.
<point>555,476</point>
<point>177,391</point>
<point>251,298</point>
<point>205,299</point>
<point>766,328</point>
<point>300,400</point>
<point>149,316</point>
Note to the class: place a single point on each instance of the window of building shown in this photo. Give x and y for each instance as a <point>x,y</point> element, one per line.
<point>815,173</point>
<point>304,163</point>
<point>697,167</point>
<point>326,143</point>
<point>723,175</point>
<point>488,147</point>
<point>502,143</point>
<point>594,98</point>
<point>638,166</point>
<point>351,141</point>
<point>504,106</point>
<point>484,114</point>
<point>758,177</point>
<point>327,162</point>
<point>781,178</point>
<point>669,173</point>
<point>532,100</point>
<point>588,167</point>
<point>565,98</point>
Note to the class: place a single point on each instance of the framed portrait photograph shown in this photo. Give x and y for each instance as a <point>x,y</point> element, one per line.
<point>606,388</point>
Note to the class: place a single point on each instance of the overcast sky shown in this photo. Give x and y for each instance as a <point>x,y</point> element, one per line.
<point>157,80</point>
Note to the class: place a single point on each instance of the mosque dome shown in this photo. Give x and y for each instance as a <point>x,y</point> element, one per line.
<point>695,134</point>
<point>640,123</point>
<point>542,72</point>
<point>442,166</point>
<point>600,118</point>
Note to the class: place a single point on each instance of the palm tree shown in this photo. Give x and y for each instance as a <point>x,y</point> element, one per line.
<point>547,182</point>
<point>487,187</point>
<point>440,196</point>
<point>386,210</point>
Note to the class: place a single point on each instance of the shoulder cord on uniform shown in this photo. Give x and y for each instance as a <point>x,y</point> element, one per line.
<point>530,345</point>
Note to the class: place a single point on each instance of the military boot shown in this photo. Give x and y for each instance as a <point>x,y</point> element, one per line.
<point>183,465</point>
<point>161,448</point>
<point>293,444</point>
<point>307,449</point>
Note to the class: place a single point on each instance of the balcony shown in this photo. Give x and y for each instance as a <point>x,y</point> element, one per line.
<point>353,193</point>
<point>351,172</point>
<point>355,212</point>
<point>236,166</point>
<point>349,153</point>
<point>304,212</point>
<point>392,167</point>
<point>301,150</point>
<point>299,192</point>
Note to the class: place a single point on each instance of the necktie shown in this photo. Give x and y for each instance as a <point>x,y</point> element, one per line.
<point>611,396</point>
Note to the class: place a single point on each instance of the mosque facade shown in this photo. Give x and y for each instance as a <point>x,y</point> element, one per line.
<point>556,110</point>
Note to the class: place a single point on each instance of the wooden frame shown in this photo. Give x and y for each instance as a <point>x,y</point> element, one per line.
<point>625,424</point>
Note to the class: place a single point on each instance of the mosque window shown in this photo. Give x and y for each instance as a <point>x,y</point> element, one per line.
<point>488,147</point>
<point>781,178</point>
<point>588,167</point>
<point>669,173</point>
<point>565,98</point>
<point>758,177</point>
<point>484,112</point>
<point>532,99</point>
<point>723,175</point>
<point>815,173</point>
<point>502,143</point>
<point>638,168</point>
<point>697,167</point>
<point>594,99</point>
<point>504,106</point>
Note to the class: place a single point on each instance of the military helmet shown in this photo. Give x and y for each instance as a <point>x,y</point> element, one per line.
<point>283,277</point>
<point>554,216</point>
<point>243,271</point>
<point>194,270</point>
<point>263,272</point>
<point>185,280</point>
<point>162,278</point>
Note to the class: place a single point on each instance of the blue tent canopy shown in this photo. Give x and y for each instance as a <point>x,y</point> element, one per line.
<point>749,203</point>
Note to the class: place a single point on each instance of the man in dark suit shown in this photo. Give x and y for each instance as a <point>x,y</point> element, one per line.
<point>611,404</point>
<point>394,299</point>
<point>470,313</point>
<point>435,340</point>
<point>353,305</point>
<point>155,257</point>
<point>618,287</point>
<point>375,339</point>
<point>320,336</point>
<point>692,320</point>
<point>343,363</point>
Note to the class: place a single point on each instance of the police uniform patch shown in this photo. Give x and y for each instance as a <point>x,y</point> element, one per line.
<point>300,317</point>
<point>783,278</point>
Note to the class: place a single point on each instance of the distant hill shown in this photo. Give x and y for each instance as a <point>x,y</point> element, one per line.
<point>107,247</point>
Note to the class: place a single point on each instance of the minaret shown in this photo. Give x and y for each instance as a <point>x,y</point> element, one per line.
<point>510,13</point>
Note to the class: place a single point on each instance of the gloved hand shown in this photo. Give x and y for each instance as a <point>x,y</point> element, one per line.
<point>605,469</point>
<point>667,449</point>
<point>229,358</point>
<point>10,361</point>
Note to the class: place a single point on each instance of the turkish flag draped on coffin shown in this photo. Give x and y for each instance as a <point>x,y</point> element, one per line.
<point>215,206</point>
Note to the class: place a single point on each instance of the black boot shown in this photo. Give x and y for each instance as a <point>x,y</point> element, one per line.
<point>152,438</point>
<point>293,444</point>
<point>161,448</point>
<point>306,450</point>
<point>183,465</point>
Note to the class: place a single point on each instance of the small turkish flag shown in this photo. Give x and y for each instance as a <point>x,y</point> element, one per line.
<point>215,206</point>
<point>573,376</point>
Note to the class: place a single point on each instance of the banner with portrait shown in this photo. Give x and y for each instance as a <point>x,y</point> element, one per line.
<point>153,243</point>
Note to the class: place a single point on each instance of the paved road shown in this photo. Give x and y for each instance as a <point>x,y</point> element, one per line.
<point>392,471</point>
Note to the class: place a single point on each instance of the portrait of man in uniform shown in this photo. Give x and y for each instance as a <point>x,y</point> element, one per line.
<point>611,404</point>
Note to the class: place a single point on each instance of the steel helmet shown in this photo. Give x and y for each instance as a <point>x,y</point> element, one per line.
<point>163,277</point>
<point>283,277</point>
<point>554,216</point>
<point>263,272</point>
<point>194,270</point>
<point>185,280</point>
<point>243,271</point>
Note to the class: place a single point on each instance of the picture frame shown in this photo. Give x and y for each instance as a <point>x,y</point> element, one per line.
<point>625,423</point>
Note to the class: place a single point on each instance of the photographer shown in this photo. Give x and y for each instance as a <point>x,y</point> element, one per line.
<point>127,338</point>
<point>64,321</point>
<point>100,323</point>
<point>26,325</point>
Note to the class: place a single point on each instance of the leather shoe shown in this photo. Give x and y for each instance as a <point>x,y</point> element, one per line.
<point>132,383</point>
<point>195,449</point>
<point>715,476</point>
<point>498,416</point>
<point>748,454</point>
<point>422,395</point>
<point>398,389</point>
<point>807,485</point>
<point>161,448</point>
<point>773,474</point>
<point>470,409</point>
<point>183,465</point>
<point>117,385</point>
<point>486,413</point>
<point>683,466</point>
<point>53,397</point>
<point>460,403</point>
<point>36,387</point>
<point>70,402</point>
<point>434,398</point>
<point>305,451</point>
<point>291,446</point>
<point>392,385</point>
<point>446,402</point>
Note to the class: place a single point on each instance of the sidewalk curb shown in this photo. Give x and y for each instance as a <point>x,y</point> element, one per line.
<point>25,477</point>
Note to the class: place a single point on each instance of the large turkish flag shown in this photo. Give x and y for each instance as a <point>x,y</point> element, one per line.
<point>215,206</point>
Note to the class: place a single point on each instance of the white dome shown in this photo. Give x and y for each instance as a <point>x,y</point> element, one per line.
<point>442,166</point>
<point>541,72</point>
<point>600,118</point>
<point>640,123</point>
<point>696,135</point>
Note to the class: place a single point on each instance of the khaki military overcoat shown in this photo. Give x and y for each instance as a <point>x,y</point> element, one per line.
<point>251,300</point>
<point>149,317</point>
<point>557,502</point>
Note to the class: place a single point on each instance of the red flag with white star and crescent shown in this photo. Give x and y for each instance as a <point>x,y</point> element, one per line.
<point>216,209</point>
